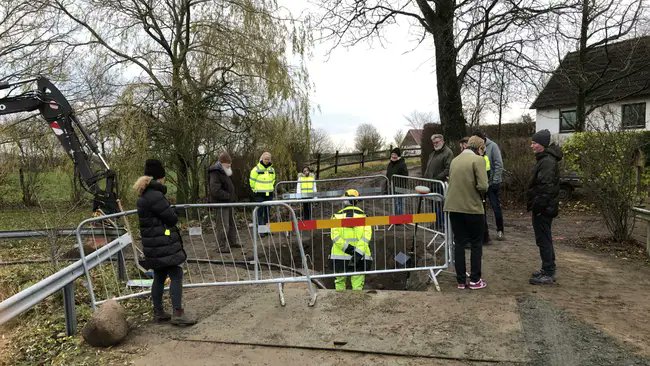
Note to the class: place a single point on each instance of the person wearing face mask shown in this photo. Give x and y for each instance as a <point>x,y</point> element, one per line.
<point>468,182</point>
<point>306,188</point>
<point>397,165</point>
<point>262,182</point>
<point>222,190</point>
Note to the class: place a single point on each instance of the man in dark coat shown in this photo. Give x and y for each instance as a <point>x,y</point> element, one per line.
<point>161,242</point>
<point>438,169</point>
<point>542,201</point>
<point>397,166</point>
<point>222,190</point>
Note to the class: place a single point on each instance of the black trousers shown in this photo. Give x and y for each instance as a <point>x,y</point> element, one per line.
<point>467,229</point>
<point>544,240</point>
<point>175,274</point>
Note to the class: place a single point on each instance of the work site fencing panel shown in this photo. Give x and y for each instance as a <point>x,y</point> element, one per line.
<point>404,235</point>
<point>333,187</point>
<point>401,184</point>
<point>263,246</point>
<point>216,255</point>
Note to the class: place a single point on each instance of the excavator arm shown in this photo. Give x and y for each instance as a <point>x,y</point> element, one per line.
<point>96,176</point>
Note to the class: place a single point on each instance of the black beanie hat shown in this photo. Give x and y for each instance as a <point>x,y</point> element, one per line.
<point>154,168</point>
<point>396,151</point>
<point>542,137</point>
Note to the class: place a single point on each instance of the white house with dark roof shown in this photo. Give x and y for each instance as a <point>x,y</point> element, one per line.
<point>618,89</point>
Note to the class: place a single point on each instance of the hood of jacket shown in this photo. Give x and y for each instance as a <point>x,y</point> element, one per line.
<point>553,150</point>
<point>146,182</point>
<point>217,167</point>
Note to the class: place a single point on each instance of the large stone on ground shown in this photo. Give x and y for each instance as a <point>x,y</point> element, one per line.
<point>108,325</point>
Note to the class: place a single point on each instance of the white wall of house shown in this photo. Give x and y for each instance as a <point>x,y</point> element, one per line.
<point>611,113</point>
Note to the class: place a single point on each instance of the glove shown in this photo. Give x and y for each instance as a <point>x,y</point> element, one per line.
<point>357,262</point>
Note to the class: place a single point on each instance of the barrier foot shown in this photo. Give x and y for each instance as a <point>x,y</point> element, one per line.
<point>312,299</point>
<point>434,279</point>
<point>281,294</point>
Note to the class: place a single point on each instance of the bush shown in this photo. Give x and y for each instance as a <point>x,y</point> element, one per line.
<point>607,163</point>
<point>518,160</point>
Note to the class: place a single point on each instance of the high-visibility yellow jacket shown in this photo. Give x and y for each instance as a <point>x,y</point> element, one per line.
<point>306,184</point>
<point>347,240</point>
<point>262,179</point>
<point>487,162</point>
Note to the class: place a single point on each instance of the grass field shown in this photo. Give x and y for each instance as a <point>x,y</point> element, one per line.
<point>369,168</point>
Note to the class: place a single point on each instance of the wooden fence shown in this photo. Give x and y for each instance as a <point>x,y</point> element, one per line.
<point>324,162</point>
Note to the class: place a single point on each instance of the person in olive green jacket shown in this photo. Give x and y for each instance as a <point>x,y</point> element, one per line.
<point>468,181</point>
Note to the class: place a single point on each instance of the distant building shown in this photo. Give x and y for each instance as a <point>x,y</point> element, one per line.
<point>618,85</point>
<point>411,144</point>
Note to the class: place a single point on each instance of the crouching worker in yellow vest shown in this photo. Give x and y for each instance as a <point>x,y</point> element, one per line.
<point>350,245</point>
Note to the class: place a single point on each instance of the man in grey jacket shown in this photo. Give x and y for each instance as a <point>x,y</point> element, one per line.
<point>493,153</point>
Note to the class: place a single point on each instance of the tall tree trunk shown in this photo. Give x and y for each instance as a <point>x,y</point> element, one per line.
<point>182,181</point>
<point>450,105</point>
<point>581,96</point>
<point>501,91</point>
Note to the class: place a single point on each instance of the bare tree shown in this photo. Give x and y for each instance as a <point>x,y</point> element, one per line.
<point>320,142</point>
<point>460,31</point>
<point>416,119</point>
<point>398,138</point>
<point>368,139</point>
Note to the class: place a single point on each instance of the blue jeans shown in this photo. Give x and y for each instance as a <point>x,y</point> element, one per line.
<point>495,203</point>
<point>437,207</point>
<point>399,206</point>
<point>175,274</point>
<point>263,213</point>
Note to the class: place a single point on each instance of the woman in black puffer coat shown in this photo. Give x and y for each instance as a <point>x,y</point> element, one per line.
<point>161,242</point>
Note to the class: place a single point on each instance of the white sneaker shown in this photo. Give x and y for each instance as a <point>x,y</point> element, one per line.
<point>500,236</point>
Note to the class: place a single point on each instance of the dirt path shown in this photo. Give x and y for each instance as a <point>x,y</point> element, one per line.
<point>596,315</point>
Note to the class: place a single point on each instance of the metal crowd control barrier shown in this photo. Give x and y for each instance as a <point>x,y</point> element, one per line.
<point>333,187</point>
<point>63,279</point>
<point>288,251</point>
<point>413,244</point>
<point>406,184</point>
<point>216,255</point>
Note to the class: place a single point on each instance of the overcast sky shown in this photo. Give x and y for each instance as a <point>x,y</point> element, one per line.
<point>378,84</point>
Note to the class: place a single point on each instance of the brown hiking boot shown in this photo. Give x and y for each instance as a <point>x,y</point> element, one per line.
<point>160,315</point>
<point>180,318</point>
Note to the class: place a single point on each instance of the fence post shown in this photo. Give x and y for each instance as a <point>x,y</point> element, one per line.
<point>336,162</point>
<point>121,266</point>
<point>318,166</point>
<point>68,306</point>
<point>363,157</point>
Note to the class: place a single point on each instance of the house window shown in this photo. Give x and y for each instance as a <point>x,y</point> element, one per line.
<point>633,115</point>
<point>567,121</point>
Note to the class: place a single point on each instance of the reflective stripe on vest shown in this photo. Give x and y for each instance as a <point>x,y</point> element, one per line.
<point>262,179</point>
<point>487,162</point>
<point>359,236</point>
<point>306,184</point>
